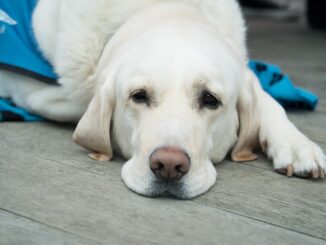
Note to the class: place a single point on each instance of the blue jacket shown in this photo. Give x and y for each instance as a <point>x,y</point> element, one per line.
<point>19,51</point>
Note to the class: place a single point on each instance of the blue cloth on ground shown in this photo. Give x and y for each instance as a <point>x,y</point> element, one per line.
<point>19,51</point>
<point>10,112</point>
<point>280,87</point>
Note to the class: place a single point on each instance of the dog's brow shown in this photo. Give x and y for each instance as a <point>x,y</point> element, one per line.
<point>200,83</point>
<point>203,83</point>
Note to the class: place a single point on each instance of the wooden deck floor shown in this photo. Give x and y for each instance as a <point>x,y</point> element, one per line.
<point>51,193</point>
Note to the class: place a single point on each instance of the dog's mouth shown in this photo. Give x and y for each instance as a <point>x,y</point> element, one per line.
<point>175,189</point>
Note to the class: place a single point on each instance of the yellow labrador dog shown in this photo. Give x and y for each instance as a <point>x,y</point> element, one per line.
<point>165,84</point>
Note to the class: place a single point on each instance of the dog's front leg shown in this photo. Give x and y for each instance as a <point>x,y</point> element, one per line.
<point>291,151</point>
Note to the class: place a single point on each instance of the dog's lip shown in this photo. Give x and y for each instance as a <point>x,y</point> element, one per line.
<point>161,188</point>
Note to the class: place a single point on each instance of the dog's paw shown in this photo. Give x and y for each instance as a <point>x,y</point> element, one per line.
<point>294,154</point>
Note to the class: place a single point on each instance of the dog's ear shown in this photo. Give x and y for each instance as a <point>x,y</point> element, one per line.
<point>93,129</point>
<point>249,120</point>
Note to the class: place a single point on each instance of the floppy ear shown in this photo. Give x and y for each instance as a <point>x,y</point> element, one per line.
<point>93,129</point>
<point>249,120</point>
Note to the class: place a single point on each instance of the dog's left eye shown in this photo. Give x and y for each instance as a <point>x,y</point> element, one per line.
<point>140,96</point>
<point>208,100</point>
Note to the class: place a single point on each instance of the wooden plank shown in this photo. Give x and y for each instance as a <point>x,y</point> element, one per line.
<point>48,141</point>
<point>299,52</point>
<point>15,229</point>
<point>101,208</point>
<point>297,204</point>
<point>63,149</point>
<point>310,121</point>
<point>289,45</point>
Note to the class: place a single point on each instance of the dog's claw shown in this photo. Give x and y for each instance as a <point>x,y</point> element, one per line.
<point>290,170</point>
<point>321,173</point>
<point>281,170</point>
<point>315,174</point>
<point>264,146</point>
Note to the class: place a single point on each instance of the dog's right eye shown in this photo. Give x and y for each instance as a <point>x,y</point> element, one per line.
<point>208,100</point>
<point>140,96</point>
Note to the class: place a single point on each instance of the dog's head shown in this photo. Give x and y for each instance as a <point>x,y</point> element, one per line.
<point>170,99</point>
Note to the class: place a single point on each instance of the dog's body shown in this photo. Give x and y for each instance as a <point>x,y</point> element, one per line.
<point>171,77</point>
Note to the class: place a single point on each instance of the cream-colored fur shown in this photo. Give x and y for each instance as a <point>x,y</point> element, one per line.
<point>105,50</point>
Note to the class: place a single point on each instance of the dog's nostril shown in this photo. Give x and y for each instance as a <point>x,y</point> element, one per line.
<point>169,163</point>
<point>160,166</point>
<point>156,165</point>
<point>182,168</point>
<point>179,168</point>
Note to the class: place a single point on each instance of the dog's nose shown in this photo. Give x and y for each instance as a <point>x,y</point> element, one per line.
<point>169,163</point>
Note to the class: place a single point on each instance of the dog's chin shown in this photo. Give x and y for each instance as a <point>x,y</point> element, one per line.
<point>157,188</point>
<point>175,189</point>
<point>160,188</point>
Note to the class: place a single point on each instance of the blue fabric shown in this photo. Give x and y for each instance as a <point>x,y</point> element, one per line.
<point>9,112</point>
<point>280,87</point>
<point>18,47</point>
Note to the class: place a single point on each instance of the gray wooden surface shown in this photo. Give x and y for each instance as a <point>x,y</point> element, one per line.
<point>51,193</point>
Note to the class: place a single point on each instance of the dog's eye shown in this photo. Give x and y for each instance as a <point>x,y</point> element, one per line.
<point>208,100</point>
<point>140,96</point>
